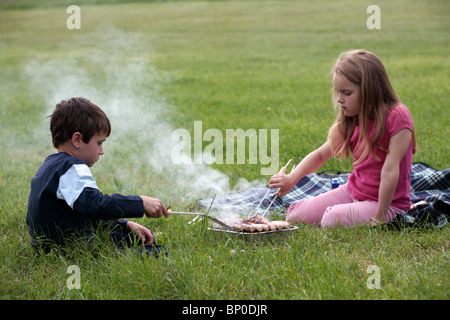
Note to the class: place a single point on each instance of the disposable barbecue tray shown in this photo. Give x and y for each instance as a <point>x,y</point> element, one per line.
<point>253,237</point>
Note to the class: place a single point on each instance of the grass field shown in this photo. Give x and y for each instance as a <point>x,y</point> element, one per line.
<point>155,67</point>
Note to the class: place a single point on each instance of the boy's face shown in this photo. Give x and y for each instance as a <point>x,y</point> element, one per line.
<point>91,151</point>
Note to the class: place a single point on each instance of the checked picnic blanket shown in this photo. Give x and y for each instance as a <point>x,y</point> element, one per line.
<point>429,186</point>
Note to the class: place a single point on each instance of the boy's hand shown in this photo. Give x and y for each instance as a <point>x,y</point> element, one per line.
<point>141,232</point>
<point>154,208</point>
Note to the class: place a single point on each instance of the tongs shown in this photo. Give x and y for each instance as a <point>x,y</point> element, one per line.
<point>254,212</point>
<point>219,222</point>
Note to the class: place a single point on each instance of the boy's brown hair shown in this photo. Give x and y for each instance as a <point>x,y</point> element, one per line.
<point>77,115</point>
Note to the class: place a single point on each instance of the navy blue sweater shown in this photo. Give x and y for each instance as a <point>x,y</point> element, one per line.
<point>64,198</point>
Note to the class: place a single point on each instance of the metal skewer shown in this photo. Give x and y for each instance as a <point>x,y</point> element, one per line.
<point>254,212</point>
<point>223,224</point>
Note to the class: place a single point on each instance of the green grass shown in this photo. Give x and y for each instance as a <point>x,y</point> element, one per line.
<point>158,66</point>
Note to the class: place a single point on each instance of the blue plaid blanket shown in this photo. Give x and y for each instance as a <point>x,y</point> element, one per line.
<point>427,184</point>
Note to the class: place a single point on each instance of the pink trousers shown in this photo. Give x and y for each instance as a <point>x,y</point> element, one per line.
<point>335,207</point>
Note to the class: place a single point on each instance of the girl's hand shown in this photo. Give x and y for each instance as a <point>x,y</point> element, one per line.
<point>283,182</point>
<point>141,232</point>
<point>373,223</point>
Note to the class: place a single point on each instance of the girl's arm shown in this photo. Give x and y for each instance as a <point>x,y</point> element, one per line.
<point>398,145</point>
<point>309,164</point>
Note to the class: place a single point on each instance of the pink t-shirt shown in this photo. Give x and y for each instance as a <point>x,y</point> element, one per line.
<point>364,181</point>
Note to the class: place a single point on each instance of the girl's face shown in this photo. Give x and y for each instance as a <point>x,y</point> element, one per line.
<point>348,95</point>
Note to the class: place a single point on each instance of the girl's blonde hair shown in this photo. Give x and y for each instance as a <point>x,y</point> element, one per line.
<point>365,70</point>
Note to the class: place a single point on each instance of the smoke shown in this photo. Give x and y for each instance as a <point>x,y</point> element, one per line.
<point>114,70</point>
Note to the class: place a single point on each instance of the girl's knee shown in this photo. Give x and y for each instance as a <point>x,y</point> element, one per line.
<point>330,218</point>
<point>300,212</point>
<point>347,214</point>
<point>338,215</point>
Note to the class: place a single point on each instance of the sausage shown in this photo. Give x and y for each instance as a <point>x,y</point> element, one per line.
<point>260,224</point>
<point>272,226</point>
<point>259,227</point>
<point>257,217</point>
<point>249,227</point>
<point>281,224</point>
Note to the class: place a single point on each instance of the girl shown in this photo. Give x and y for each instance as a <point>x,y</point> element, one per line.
<point>377,129</point>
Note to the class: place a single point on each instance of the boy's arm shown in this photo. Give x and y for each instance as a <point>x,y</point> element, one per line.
<point>96,205</point>
<point>100,206</point>
<point>78,188</point>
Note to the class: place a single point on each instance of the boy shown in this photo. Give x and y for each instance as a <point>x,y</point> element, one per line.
<point>64,197</point>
